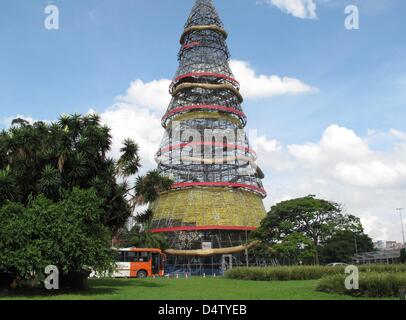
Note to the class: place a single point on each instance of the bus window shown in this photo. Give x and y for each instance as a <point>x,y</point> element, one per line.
<point>144,256</point>
<point>132,257</point>
<point>121,256</point>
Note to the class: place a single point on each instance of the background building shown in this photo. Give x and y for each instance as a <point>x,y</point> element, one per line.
<point>386,252</point>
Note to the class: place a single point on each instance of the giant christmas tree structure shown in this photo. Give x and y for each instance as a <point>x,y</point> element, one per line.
<point>217,196</point>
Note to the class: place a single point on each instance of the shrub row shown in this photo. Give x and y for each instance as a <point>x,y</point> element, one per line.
<point>371,284</point>
<point>283,273</point>
<point>393,268</point>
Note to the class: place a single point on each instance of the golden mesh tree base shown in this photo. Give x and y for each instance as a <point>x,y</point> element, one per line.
<point>208,207</point>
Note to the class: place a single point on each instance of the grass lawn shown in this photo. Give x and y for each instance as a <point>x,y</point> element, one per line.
<point>190,289</point>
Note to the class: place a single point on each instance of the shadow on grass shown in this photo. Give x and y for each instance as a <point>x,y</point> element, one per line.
<point>120,283</point>
<point>96,287</point>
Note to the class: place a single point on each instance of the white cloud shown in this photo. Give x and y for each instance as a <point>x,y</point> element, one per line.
<point>264,86</point>
<point>140,125</point>
<point>137,115</point>
<point>343,167</point>
<point>152,95</point>
<point>371,173</point>
<point>398,134</point>
<point>347,157</point>
<point>304,9</point>
<point>379,228</point>
<point>268,145</point>
<point>6,121</point>
<point>336,143</point>
<point>271,154</point>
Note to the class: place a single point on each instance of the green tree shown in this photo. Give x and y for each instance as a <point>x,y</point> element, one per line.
<point>262,253</point>
<point>69,234</point>
<point>51,158</point>
<point>148,187</point>
<point>315,219</point>
<point>147,190</point>
<point>42,167</point>
<point>343,245</point>
<point>141,237</point>
<point>295,248</point>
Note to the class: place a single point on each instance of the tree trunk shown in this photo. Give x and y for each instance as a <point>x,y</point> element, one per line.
<point>316,254</point>
<point>316,258</point>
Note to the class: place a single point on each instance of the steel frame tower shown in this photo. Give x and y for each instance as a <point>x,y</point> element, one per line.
<point>217,195</point>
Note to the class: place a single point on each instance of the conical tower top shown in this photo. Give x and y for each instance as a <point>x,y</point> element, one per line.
<point>204,13</point>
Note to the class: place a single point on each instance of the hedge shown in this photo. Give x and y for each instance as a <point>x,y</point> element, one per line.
<point>371,284</point>
<point>382,268</point>
<point>284,273</point>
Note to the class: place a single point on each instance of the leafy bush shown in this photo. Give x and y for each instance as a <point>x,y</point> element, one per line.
<point>283,273</point>
<point>371,284</point>
<point>69,234</point>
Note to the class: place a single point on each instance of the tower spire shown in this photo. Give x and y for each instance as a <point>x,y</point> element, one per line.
<point>204,13</point>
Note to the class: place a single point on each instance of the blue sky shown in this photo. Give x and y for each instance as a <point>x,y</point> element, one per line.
<point>103,45</point>
<point>360,76</point>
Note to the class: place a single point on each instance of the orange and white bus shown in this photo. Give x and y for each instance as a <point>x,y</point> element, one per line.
<point>139,263</point>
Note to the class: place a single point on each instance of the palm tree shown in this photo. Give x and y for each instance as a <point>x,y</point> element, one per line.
<point>48,158</point>
<point>8,188</point>
<point>147,189</point>
<point>145,239</point>
<point>129,162</point>
<point>50,183</point>
<point>78,169</point>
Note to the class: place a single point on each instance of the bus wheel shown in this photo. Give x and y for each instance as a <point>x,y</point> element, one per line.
<point>141,274</point>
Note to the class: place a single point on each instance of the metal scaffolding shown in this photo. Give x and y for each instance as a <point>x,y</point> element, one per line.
<point>206,97</point>
<point>217,194</point>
